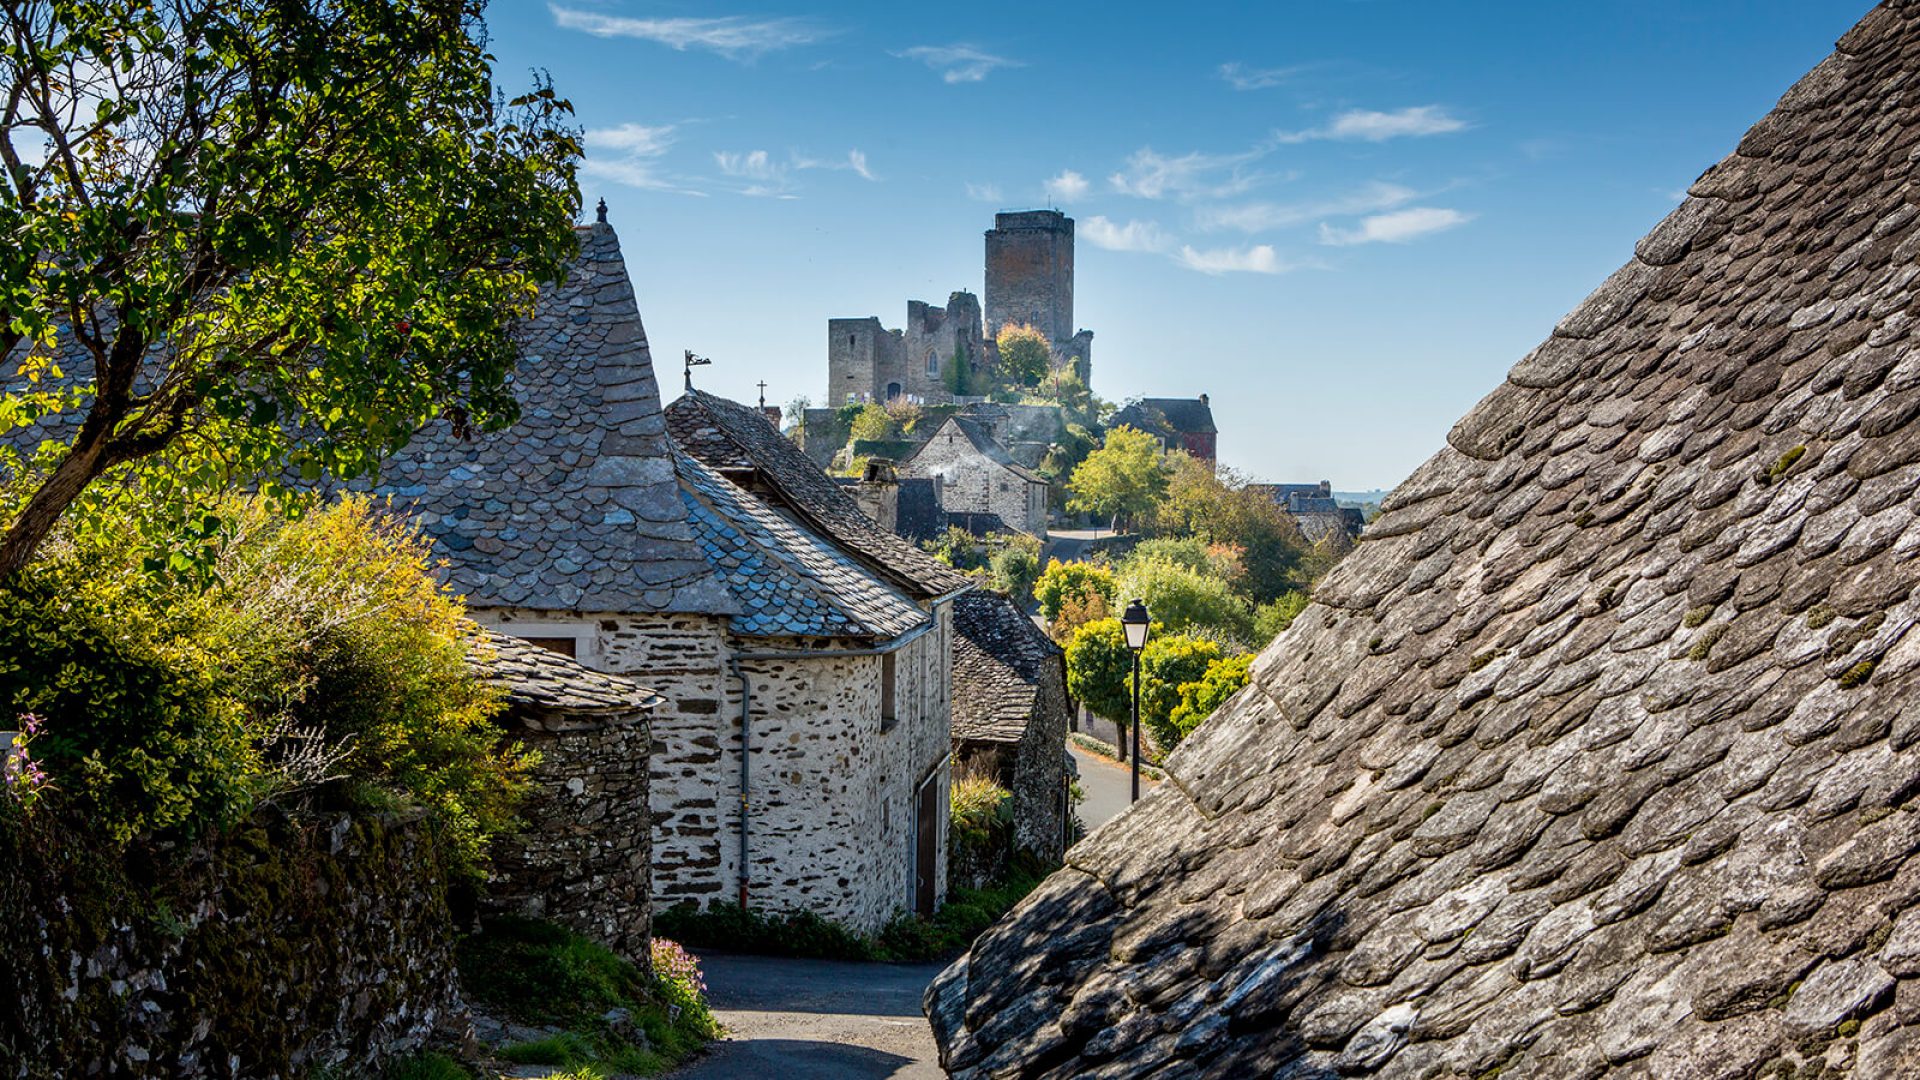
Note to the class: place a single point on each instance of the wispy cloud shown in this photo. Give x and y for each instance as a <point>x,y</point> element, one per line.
<point>1152,175</point>
<point>1133,236</point>
<point>983,192</point>
<point>1068,186</point>
<point>855,162</point>
<point>770,177</point>
<point>1242,77</point>
<point>630,154</point>
<point>735,37</point>
<point>958,63</point>
<point>1258,259</point>
<point>1368,125</point>
<point>1397,227</point>
<point>1257,217</point>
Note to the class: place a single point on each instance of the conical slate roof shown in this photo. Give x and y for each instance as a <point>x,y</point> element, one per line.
<point>575,507</point>
<point>1598,756</point>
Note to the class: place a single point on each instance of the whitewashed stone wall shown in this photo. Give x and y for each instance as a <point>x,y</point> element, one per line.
<point>832,814</point>
<point>976,484</point>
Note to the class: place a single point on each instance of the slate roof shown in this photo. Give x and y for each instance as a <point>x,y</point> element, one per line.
<point>575,507</point>
<point>979,435</point>
<point>918,515</point>
<point>1188,416</point>
<point>787,581</point>
<point>548,684</point>
<point>1598,756</point>
<point>735,439</point>
<point>998,657</point>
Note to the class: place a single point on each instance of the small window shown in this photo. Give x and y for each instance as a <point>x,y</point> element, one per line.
<point>849,341</point>
<point>933,363</point>
<point>889,715</point>
<point>565,646</point>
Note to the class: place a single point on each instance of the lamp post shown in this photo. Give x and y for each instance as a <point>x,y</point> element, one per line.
<point>1136,623</point>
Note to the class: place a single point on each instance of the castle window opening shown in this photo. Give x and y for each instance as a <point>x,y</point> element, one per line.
<point>893,390</point>
<point>933,363</point>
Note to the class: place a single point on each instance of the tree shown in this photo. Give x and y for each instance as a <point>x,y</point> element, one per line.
<point>1198,700</point>
<point>1169,662</point>
<point>1063,583</point>
<point>796,417</point>
<point>1015,567</point>
<point>1025,356</point>
<point>1187,600</point>
<point>959,374</point>
<point>1270,619</point>
<point>1123,478</point>
<point>1216,505</point>
<point>874,423</point>
<point>228,223</point>
<point>1099,669</point>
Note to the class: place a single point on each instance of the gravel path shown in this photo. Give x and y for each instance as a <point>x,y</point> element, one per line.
<point>817,1020</point>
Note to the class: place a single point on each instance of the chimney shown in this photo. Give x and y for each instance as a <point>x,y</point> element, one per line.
<point>878,493</point>
<point>1204,401</point>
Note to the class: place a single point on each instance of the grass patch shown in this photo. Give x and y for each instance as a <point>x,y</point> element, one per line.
<point>1697,616</point>
<point>1107,750</point>
<point>1704,645</point>
<point>427,1065</point>
<point>617,1018</point>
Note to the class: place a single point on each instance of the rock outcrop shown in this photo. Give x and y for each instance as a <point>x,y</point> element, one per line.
<point>1598,756</point>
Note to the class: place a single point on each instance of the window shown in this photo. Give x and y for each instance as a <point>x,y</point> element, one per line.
<point>565,646</point>
<point>889,715</point>
<point>849,341</point>
<point>933,363</point>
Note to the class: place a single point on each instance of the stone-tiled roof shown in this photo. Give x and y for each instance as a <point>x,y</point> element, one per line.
<point>1187,416</point>
<point>553,686</point>
<point>998,656</point>
<point>786,580</point>
<point>575,507</point>
<point>1598,756</point>
<point>734,438</point>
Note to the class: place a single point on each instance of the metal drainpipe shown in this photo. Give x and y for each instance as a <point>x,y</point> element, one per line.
<point>746,705</point>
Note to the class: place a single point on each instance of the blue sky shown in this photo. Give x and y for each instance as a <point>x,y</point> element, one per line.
<point>1342,220</point>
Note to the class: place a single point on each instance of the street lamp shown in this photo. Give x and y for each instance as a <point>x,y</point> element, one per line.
<point>1135,623</point>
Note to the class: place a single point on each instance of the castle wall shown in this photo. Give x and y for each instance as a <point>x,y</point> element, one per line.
<point>1029,274</point>
<point>863,357</point>
<point>933,337</point>
<point>832,827</point>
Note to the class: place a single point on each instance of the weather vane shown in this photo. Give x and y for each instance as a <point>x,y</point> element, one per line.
<point>694,362</point>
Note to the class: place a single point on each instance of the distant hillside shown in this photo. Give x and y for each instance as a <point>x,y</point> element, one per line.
<point>1360,498</point>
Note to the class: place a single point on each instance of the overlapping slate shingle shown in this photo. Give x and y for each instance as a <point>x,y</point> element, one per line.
<point>786,580</point>
<point>549,685</point>
<point>737,440</point>
<point>576,506</point>
<point>997,658</point>
<point>1598,756</point>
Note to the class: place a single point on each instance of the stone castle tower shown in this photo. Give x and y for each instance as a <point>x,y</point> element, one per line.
<point>1029,280</point>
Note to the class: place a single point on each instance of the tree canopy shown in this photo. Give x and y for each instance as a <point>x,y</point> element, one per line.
<point>1123,478</point>
<point>1025,355</point>
<point>257,238</point>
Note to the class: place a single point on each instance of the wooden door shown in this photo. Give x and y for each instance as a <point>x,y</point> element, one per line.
<point>926,836</point>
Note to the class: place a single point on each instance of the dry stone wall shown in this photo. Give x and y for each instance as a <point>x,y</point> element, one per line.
<point>286,946</point>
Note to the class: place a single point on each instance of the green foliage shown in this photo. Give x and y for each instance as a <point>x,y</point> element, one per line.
<point>1271,618</point>
<point>966,914</point>
<point>535,972</point>
<point>1184,600</point>
<point>1125,477</point>
<point>977,805</point>
<point>1063,583</point>
<point>284,237</point>
<point>959,374</point>
<point>1168,663</point>
<point>959,549</point>
<point>1214,505</point>
<point>874,422</point>
<point>1025,355</point>
<point>427,1065</point>
<point>729,926</point>
<point>1198,700</point>
<point>1015,568</point>
<point>1099,666</point>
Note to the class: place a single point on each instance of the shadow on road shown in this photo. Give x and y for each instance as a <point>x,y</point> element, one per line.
<point>780,985</point>
<point>797,1059</point>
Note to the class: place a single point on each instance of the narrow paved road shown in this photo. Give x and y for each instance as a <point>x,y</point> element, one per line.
<point>1109,787</point>
<point>817,1020</point>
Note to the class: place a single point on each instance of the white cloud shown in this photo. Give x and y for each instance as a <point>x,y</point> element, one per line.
<point>857,161</point>
<point>765,177</point>
<point>735,37</point>
<point>630,154</point>
<point>983,192</point>
<point>958,63</point>
<point>1133,236</point>
<point>1068,186</point>
<point>1395,228</point>
<point>1367,125</point>
<point>1242,77</point>
<point>1151,175</point>
<point>1258,259</point>
<point>1262,216</point>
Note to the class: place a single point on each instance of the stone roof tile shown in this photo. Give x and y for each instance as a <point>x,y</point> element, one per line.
<point>1596,756</point>
<point>998,657</point>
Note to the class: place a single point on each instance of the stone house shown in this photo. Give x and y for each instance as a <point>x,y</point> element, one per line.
<point>1597,757</point>
<point>583,857</point>
<point>1179,423</point>
<point>1313,508</point>
<point>800,754</point>
<point>1010,713</point>
<point>977,476</point>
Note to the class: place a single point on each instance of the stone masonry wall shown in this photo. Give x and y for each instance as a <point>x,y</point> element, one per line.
<point>976,484</point>
<point>282,947</point>
<point>1029,273</point>
<point>1040,773</point>
<point>583,858</point>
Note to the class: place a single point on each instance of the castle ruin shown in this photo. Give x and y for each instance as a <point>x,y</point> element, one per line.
<point>1029,280</point>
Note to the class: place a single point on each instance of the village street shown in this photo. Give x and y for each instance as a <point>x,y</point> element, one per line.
<point>1108,786</point>
<point>817,1020</point>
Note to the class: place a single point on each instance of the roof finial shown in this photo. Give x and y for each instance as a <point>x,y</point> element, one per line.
<point>763,393</point>
<point>600,212</point>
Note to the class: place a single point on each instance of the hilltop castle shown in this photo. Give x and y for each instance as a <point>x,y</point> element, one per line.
<point>1029,280</point>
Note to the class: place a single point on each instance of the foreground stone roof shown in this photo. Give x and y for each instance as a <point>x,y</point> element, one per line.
<point>739,442</point>
<point>575,507</point>
<point>1598,755</point>
<point>998,655</point>
<point>554,690</point>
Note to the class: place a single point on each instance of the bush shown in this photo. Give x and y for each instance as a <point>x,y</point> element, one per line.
<point>1184,599</point>
<point>1062,584</point>
<point>1198,700</point>
<point>1167,664</point>
<point>1015,568</point>
<point>959,549</point>
<point>874,422</point>
<point>1270,619</point>
<point>1099,667</point>
<point>730,926</point>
